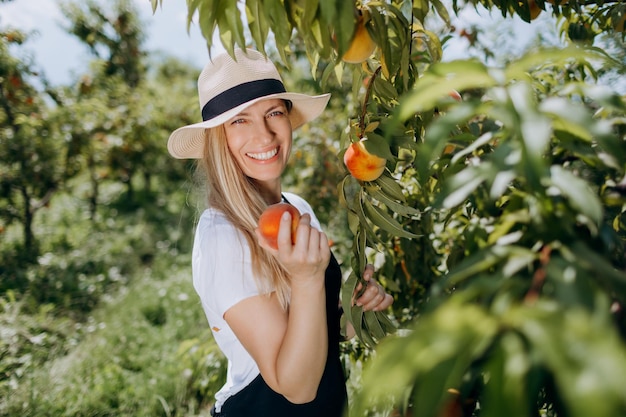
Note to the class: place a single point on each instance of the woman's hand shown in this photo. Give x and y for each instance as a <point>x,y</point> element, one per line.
<point>308,257</point>
<point>373,297</point>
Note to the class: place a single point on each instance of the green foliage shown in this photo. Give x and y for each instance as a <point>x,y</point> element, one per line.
<point>520,348</point>
<point>121,361</point>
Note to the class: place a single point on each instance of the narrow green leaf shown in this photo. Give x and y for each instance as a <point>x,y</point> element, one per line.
<point>279,22</point>
<point>442,11</point>
<point>310,14</point>
<point>390,187</point>
<point>384,88</point>
<point>347,291</point>
<point>257,23</point>
<point>364,333</point>
<point>385,222</point>
<point>578,193</point>
<point>384,320</point>
<point>373,327</point>
<point>604,272</point>
<point>518,69</point>
<point>460,186</point>
<point>439,80</point>
<point>479,262</point>
<point>569,117</point>
<point>399,208</point>
<point>361,244</point>
<point>508,366</point>
<point>343,199</point>
<point>364,220</point>
<point>420,9</point>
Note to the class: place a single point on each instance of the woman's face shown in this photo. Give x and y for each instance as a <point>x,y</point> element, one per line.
<point>259,138</point>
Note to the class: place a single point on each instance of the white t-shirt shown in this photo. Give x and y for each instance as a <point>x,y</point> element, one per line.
<point>222,277</point>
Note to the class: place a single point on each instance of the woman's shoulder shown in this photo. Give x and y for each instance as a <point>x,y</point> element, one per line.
<point>213,228</point>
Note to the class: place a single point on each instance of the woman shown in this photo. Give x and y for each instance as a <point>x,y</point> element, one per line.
<point>273,313</point>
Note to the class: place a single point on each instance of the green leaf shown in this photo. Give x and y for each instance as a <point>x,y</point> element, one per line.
<point>577,192</point>
<point>385,221</point>
<point>384,88</point>
<point>310,13</point>
<point>437,134</point>
<point>458,188</point>
<point>233,22</point>
<point>397,207</point>
<point>480,261</point>
<point>206,19</point>
<point>390,187</point>
<point>343,199</point>
<point>505,393</point>
<point>347,291</point>
<point>439,80</point>
<point>281,27</point>
<point>155,4</point>
<point>569,117</point>
<point>361,245</point>
<point>612,280</point>
<point>420,9</point>
<point>257,23</point>
<point>518,69</point>
<point>442,11</point>
<point>377,145</point>
<point>435,49</point>
<point>384,320</point>
<point>374,328</point>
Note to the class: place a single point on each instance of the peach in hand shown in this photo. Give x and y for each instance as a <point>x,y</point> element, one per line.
<point>269,222</point>
<point>361,164</point>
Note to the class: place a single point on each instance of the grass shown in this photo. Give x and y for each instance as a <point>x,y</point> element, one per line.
<point>140,355</point>
<point>107,322</point>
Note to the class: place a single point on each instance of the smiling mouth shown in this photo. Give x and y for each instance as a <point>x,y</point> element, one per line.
<point>263,156</point>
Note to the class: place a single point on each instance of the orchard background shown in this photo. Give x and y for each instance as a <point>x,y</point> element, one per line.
<point>498,222</point>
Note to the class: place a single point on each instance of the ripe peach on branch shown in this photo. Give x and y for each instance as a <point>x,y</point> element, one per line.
<point>362,164</point>
<point>362,45</point>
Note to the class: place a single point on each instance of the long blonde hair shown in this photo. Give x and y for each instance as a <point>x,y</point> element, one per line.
<point>237,196</point>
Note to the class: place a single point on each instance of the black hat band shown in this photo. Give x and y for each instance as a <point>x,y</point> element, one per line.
<point>240,94</point>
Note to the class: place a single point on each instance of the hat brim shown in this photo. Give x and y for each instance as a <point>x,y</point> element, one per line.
<point>187,142</point>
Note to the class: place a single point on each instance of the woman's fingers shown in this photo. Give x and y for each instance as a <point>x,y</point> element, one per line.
<point>368,272</point>
<point>373,297</point>
<point>310,253</point>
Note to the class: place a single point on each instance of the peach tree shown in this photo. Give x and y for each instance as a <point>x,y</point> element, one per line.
<point>498,220</point>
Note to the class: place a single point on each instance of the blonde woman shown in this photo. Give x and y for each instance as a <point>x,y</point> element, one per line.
<point>273,312</point>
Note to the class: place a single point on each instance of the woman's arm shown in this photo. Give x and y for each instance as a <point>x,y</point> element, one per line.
<point>290,347</point>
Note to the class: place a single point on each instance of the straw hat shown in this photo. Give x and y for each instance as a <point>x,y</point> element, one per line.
<point>226,87</point>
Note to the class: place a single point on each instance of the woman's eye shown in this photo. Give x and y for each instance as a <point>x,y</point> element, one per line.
<point>276,113</point>
<point>237,121</point>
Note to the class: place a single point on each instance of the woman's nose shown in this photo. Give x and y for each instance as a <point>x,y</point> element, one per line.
<point>264,131</point>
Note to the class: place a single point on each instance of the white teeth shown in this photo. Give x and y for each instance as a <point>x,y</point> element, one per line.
<point>264,156</point>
